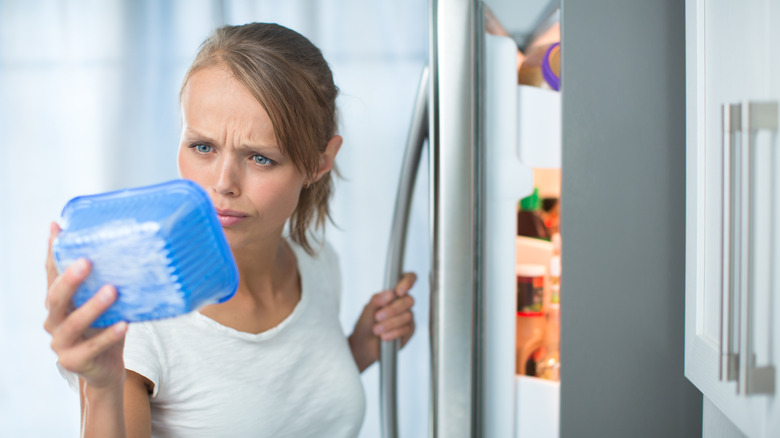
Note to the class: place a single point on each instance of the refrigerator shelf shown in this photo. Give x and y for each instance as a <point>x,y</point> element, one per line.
<point>537,404</point>
<point>539,127</point>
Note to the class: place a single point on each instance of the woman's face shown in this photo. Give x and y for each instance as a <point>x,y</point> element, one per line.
<point>229,148</point>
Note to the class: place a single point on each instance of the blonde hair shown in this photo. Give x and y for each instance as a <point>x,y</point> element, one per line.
<point>289,77</point>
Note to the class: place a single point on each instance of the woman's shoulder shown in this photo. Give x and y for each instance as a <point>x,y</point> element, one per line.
<point>320,269</point>
<point>323,252</point>
<point>153,338</point>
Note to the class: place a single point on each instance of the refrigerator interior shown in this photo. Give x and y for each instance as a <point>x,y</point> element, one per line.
<point>522,153</point>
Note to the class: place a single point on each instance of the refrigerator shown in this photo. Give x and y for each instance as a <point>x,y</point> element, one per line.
<point>468,111</point>
<point>620,149</point>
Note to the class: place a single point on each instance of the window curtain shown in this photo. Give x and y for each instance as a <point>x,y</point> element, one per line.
<point>89,103</point>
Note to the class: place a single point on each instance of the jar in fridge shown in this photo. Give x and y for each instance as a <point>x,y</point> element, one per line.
<point>530,325</point>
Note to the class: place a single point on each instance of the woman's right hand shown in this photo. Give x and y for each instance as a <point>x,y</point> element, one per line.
<point>94,354</point>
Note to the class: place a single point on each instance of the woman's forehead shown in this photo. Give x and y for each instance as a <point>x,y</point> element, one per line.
<point>217,83</point>
<point>213,98</point>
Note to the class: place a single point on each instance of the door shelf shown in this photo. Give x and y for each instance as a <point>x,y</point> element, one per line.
<point>539,127</point>
<point>537,402</point>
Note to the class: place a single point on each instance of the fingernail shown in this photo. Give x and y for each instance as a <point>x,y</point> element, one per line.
<point>389,296</point>
<point>120,327</point>
<point>106,295</point>
<point>80,267</point>
<point>381,316</point>
<point>378,329</point>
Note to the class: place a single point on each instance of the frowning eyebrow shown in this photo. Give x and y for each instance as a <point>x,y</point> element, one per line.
<point>193,135</point>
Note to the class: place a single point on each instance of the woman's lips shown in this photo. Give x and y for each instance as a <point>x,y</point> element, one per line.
<point>228,218</point>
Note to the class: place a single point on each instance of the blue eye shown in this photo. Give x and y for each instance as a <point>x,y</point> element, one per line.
<point>261,160</point>
<point>202,148</point>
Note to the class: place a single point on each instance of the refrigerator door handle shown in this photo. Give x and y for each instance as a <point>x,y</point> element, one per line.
<point>418,133</point>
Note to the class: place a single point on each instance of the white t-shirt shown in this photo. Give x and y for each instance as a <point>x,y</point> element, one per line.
<point>298,379</point>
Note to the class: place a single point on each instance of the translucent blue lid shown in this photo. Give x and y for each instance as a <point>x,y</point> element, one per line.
<point>162,247</point>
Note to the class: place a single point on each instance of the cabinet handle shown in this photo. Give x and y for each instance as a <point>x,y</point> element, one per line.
<point>754,380</point>
<point>728,360</point>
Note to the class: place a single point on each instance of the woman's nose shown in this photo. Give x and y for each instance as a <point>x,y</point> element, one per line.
<point>228,178</point>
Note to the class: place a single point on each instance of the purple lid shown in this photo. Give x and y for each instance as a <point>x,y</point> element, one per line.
<point>551,78</point>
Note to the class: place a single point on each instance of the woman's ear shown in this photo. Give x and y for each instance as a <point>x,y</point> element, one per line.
<point>328,157</point>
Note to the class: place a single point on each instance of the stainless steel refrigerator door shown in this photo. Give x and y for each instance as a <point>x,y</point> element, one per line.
<point>456,28</point>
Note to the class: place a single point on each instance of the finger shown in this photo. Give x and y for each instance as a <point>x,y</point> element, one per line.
<point>399,333</point>
<point>51,268</point>
<point>397,307</point>
<point>61,292</point>
<point>381,299</point>
<point>79,321</point>
<point>77,358</point>
<point>405,283</point>
<point>393,323</point>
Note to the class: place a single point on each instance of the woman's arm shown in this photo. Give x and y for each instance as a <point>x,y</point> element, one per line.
<point>94,355</point>
<point>387,316</point>
<point>105,411</point>
<point>102,411</point>
<point>138,414</point>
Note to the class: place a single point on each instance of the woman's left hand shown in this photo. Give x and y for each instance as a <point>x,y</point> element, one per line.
<point>387,316</point>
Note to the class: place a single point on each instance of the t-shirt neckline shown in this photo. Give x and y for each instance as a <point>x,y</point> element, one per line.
<point>301,262</point>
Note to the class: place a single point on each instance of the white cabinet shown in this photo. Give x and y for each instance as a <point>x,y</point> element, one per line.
<point>733,209</point>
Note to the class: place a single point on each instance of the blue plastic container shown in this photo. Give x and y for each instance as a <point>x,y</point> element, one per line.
<point>161,246</point>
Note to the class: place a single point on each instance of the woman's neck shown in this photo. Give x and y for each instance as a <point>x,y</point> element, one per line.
<point>268,291</point>
<point>264,268</point>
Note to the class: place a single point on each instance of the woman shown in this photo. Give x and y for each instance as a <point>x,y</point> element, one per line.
<point>259,135</point>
